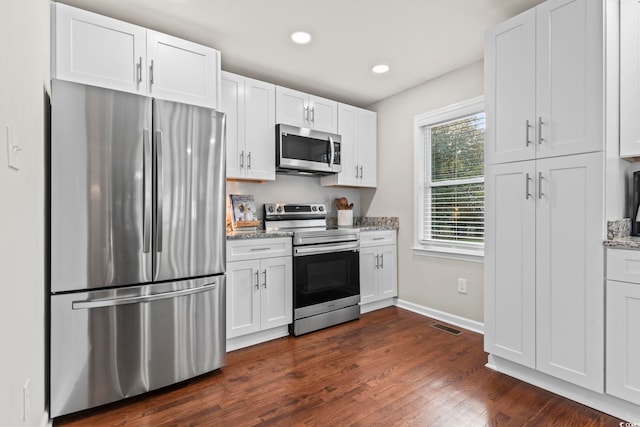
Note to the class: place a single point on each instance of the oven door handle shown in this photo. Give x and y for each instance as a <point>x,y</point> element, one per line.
<point>325,249</point>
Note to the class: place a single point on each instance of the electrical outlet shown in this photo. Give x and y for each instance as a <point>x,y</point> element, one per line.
<point>462,285</point>
<point>26,399</point>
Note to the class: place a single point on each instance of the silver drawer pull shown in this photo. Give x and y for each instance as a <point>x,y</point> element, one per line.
<point>379,238</point>
<point>260,249</point>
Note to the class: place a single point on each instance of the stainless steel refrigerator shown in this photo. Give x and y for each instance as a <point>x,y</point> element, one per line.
<point>137,244</point>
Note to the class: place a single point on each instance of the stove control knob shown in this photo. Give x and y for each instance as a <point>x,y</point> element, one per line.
<point>280,209</point>
<point>321,208</point>
<point>314,208</point>
<point>270,209</point>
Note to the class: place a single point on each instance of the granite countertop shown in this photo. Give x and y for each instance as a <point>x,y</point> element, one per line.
<point>618,235</point>
<point>361,223</point>
<point>257,234</point>
<point>627,242</point>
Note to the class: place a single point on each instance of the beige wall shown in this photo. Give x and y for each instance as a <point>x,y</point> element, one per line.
<point>427,281</point>
<point>24,74</point>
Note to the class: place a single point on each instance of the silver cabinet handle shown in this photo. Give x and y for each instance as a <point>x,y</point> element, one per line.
<point>540,138</point>
<point>79,305</point>
<point>360,171</point>
<point>260,249</point>
<point>306,113</point>
<point>139,69</point>
<point>241,159</point>
<point>249,160</point>
<point>159,190</point>
<point>151,72</point>
<point>147,185</point>
<point>527,133</point>
<point>379,238</point>
<point>313,114</point>
<point>540,178</point>
<point>356,171</point>
<point>381,260</point>
<point>257,280</point>
<point>265,278</point>
<point>527,190</point>
<point>377,261</point>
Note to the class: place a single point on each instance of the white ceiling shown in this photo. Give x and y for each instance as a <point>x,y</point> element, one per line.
<point>418,39</point>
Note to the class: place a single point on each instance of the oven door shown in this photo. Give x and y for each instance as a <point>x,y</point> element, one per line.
<point>326,273</point>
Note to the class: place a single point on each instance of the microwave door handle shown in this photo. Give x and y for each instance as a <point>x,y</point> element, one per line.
<point>332,153</point>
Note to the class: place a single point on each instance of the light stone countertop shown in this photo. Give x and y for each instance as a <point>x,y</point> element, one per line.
<point>627,242</point>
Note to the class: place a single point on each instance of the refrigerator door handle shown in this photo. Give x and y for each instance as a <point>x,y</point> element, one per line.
<point>159,190</point>
<point>82,305</point>
<point>146,184</point>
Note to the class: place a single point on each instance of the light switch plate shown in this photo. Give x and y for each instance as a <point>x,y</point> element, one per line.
<point>13,152</point>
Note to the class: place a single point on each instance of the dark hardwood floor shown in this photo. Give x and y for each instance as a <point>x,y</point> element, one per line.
<point>388,368</point>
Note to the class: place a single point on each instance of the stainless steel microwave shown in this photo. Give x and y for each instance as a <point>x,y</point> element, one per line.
<point>302,151</point>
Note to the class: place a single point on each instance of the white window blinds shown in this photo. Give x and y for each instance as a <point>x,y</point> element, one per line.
<point>453,208</point>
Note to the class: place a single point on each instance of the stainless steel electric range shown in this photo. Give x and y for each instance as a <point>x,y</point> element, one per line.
<point>326,266</point>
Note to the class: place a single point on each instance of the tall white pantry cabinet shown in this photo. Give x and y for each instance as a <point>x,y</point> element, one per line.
<point>547,117</point>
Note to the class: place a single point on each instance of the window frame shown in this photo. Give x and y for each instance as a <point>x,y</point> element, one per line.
<point>454,250</point>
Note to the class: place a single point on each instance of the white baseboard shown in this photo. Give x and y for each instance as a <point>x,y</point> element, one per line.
<point>376,305</point>
<point>602,402</point>
<point>452,319</point>
<point>45,421</point>
<point>256,338</point>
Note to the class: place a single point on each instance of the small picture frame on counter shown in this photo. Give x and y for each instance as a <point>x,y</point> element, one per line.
<point>243,209</point>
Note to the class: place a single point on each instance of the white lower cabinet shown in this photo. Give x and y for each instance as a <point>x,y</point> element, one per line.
<point>623,324</point>
<point>544,302</point>
<point>378,269</point>
<point>259,291</point>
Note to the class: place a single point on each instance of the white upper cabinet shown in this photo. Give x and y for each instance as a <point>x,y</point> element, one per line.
<point>358,149</point>
<point>510,90</point>
<point>558,109</point>
<point>250,109</point>
<point>300,109</point>
<point>629,82</point>
<point>182,71</point>
<point>96,50</point>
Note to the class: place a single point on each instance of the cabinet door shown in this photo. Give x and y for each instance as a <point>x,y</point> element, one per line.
<point>368,275</point>
<point>260,122</point>
<point>232,104</point>
<point>629,82</point>
<point>243,298</point>
<point>510,90</point>
<point>623,340</point>
<point>348,130</point>
<point>291,107</point>
<point>323,114</point>
<point>182,71</point>
<point>569,77</point>
<point>367,148</point>
<point>277,292</point>
<point>388,272</point>
<point>570,269</point>
<point>510,286</point>
<point>98,51</point>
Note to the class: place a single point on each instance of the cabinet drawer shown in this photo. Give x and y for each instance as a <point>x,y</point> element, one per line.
<point>377,238</point>
<point>242,250</point>
<point>623,265</point>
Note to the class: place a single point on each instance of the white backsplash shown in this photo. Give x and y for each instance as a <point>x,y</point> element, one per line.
<point>295,189</point>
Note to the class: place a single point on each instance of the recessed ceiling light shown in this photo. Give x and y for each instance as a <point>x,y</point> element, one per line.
<point>380,68</point>
<point>301,37</point>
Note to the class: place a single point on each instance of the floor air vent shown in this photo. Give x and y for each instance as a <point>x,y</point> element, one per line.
<point>446,328</point>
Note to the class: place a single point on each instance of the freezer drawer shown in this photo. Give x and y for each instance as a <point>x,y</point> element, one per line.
<point>111,344</point>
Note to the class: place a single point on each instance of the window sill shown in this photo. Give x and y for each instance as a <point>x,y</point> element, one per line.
<point>448,252</point>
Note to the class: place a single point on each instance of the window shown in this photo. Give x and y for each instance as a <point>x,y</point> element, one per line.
<point>449,198</point>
